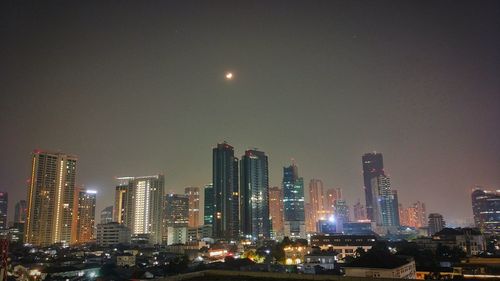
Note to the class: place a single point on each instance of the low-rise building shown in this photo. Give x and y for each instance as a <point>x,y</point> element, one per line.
<point>470,240</point>
<point>344,245</point>
<point>405,271</point>
<point>327,259</point>
<point>112,233</point>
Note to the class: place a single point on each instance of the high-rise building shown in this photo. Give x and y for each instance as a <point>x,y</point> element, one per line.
<point>254,195</point>
<point>293,202</point>
<point>373,166</point>
<point>176,218</point>
<point>84,221</point>
<point>139,205</point>
<point>4,203</point>
<point>385,206</point>
<point>276,210</point>
<point>318,204</point>
<point>50,198</point>
<point>420,214</point>
<point>194,205</point>
<point>20,211</point>
<point>359,211</point>
<point>332,195</point>
<point>107,214</point>
<point>486,210</point>
<point>209,205</point>
<point>122,195</point>
<point>341,211</point>
<point>436,223</point>
<point>226,192</point>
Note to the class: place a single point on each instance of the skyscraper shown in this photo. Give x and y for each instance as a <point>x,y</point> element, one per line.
<point>373,166</point>
<point>209,205</point>
<point>332,195</point>
<point>436,223</point>
<point>226,192</point>
<point>50,198</point>
<point>107,214</point>
<point>177,218</point>
<point>4,203</point>
<point>486,210</point>
<point>193,194</point>
<point>122,200</point>
<point>254,195</point>
<point>84,221</point>
<point>359,211</point>
<point>20,212</point>
<point>293,202</point>
<point>385,206</point>
<point>276,210</point>
<point>318,203</point>
<point>341,211</point>
<point>139,202</point>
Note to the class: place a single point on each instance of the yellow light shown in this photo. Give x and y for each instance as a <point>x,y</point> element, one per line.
<point>229,75</point>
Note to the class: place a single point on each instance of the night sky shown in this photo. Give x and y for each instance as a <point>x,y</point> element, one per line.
<point>138,88</point>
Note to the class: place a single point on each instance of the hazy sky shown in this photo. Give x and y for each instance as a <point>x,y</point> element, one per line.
<point>137,88</point>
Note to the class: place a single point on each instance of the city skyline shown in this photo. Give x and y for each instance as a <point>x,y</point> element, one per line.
<point>322,89</point>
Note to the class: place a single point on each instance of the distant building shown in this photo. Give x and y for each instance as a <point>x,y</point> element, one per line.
<point>254,195</point>
<point>199,233</point>
<point>107,214</point>
<point>293,202</point>
<point>331,196</point>
<point>327,259</point>
<point>373,167</point>
<point>4,203</point>
<point>486,210</point>
<point>358,228</point>
<point>50,199</point>
<point>413,216</point>
<point>20,211</point>
<point>112,233</point>
<point>318,204</point>
<point>138,205</point>
<point>226,193</point>
<point>436,223</point>
<point>341,211</point>
<point>276,211</point>
<point>177,218</point>
<point>193,194</point>
<point>208,216</point>
<point>359,212</point>
<point>385,206</point>
<point>84,222</point>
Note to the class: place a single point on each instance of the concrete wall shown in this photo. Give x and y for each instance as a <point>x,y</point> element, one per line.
<point>286,276</point>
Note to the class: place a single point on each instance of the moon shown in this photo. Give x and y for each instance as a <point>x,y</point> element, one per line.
<point>229,75</point>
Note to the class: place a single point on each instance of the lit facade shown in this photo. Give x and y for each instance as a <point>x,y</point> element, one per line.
<point>176,218</point>
<point>226,193</point>
<point>139,205</point>
<point>193,194</point>
<point>293,202</point>
<point>332,195</point>
<point>486,210</point>
<point>385,207</point>
<point>208,206</point>
<point>318,204</point>
<point>359,212</point>
<point>84,221</point>
<point>254,195</point>
<point>50,198</point>
<point>4,202</point>
<point>276,210</point>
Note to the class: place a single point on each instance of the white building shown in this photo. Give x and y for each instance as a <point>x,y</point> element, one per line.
<point>405,271</point>
<point>177,235</point>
